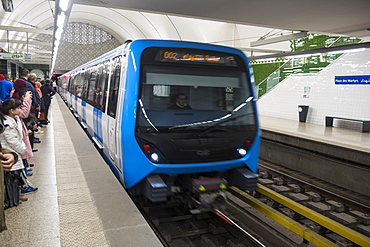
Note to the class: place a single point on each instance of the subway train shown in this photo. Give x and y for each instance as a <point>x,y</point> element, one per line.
<point>173,119</point>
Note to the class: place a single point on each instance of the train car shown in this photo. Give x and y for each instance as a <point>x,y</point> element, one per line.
<point>172,118</point>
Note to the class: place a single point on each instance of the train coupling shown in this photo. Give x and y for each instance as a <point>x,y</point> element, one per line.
<point>209,192</point>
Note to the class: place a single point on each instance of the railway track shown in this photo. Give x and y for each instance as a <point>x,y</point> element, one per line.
<point>175,226</point>
<point>319,211</point>
<point>298,181</point>
<point>313,211</point>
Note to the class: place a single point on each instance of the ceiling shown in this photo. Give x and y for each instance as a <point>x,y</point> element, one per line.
<point>318,16</point>
<point>28,28</point>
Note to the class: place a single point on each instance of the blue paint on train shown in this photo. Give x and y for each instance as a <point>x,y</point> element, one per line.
<point>75,105</point>
<point>83,104</point>
<point>98,125</point>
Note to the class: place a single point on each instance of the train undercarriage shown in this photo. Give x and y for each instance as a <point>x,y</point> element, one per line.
<point>200,192</point>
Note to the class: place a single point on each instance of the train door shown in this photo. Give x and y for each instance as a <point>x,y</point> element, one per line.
<point>113,101</point>
<point>99,100</point>
<point>97,118</point>
<point>75,105</point>
<point>83,112</point>
<point>79,82</point>
<point>69,89</point>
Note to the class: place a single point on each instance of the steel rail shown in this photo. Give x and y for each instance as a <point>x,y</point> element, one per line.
<point>231,222</point>
<point>320,219</point>
<point>349,202</point>
<point>303,231</point>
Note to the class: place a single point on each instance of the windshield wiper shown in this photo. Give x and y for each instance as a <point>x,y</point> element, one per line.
<point>217,121</point>
<point>212,127</point>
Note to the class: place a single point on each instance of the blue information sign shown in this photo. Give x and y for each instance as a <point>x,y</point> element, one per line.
<point>363,79</point>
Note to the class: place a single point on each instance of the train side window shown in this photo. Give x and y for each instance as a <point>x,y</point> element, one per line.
<point>78,85</point>
<point>114,87</point>
<point>67,82</point>
<point>70,84</point>
<point>85,85</point>
<point>101,87</point>
<point>92,88</point>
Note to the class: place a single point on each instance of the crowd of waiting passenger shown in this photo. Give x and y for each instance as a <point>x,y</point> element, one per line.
<point>24,110</point>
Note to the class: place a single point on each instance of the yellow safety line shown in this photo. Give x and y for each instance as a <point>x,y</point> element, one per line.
<point>282,219</point>
<point>324,221</point>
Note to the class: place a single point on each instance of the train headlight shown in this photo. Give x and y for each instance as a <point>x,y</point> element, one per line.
<point>242,151</point>
<point>151,152</point>
<point>154,157</point>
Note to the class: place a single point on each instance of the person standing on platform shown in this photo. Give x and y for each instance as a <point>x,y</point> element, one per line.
<point>42,106</point>
<point>35,103</point>
<point>7,161</point>
<point>47,92</point>
<point>38,89</point>
<point>54,83</point>
<point>18,84</point>
<point>26,99</point>
<point>6,88</point>
<point>35,95</point>
<point>11,140</point>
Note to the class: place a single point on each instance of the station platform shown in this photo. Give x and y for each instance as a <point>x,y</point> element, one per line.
<point>349,138</point>
<point>79,201</point>
<point>335,155</point>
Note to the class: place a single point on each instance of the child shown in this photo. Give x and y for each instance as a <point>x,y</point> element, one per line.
<point>11,140</point>
<point>26,99</point>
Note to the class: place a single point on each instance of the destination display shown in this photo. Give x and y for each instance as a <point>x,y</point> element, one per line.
<point>194,56</point>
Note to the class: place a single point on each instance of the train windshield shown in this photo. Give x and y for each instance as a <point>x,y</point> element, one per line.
<point>182,98</point>
<point>183,102</point>
<point>176,97</point>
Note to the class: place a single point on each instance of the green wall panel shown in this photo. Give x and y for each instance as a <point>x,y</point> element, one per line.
<point>269,73</point>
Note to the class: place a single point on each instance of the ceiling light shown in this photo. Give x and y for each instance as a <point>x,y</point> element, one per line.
<point>58,33</point>
<point>60,20</point>
<point>62,10</point>
<point>63,4</point>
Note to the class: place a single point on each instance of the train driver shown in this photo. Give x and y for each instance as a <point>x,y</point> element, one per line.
<point>180,103</point>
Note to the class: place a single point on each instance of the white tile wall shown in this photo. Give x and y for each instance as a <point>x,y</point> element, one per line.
<point>325,98</point>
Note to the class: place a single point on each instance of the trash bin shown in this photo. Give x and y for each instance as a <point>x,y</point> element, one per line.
<point>303,111</point>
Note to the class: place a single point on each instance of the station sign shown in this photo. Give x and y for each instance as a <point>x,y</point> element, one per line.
<point>363,79</point>
<point>15,56</point>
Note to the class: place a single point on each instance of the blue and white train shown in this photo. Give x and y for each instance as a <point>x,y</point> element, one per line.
<point>122,99</point>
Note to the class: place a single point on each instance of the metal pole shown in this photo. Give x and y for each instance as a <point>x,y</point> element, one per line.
<point>7,39</point>
<point>27,43</point>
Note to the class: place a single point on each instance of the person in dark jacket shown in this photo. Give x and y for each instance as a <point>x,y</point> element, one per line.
<point>36,100</point>
<point>180,103</point>
<point>47,91</point>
